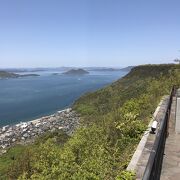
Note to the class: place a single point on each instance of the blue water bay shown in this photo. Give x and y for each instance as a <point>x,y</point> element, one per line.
<point>27,98</point>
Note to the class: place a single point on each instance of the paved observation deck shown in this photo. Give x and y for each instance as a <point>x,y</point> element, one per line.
<point>171,159</point>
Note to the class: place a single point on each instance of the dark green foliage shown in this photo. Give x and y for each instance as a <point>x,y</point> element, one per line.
<point>8,158</point>
<point>113,120</point>
<point>126,175</point>
<point>20,158</point>
<point>59,135</point>
<point>21,164</point>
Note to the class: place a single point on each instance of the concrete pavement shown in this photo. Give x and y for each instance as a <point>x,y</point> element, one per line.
<point>171,160</point>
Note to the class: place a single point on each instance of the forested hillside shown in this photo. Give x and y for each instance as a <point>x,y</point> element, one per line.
<point>112,122</point>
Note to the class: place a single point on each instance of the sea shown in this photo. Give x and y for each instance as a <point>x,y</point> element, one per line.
<point>28,98</point>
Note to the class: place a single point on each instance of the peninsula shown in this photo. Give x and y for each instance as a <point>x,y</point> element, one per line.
<point>5,75</point>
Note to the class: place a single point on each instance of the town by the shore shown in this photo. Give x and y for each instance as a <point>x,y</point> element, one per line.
<point>24,132</point>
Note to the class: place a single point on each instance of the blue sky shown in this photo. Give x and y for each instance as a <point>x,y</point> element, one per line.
<point>51,33</point>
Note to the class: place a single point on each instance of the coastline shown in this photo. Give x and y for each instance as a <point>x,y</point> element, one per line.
<point>26,132</point>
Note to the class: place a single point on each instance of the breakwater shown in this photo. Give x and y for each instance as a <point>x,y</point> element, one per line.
<point>24,132</point>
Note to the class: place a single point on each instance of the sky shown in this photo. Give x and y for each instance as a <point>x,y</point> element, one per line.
<point>115,33</point>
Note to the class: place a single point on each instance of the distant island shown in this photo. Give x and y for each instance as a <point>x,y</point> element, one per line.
<point>55,74</point>
<point>76,72</point>
<point>28,75</point>
<point>5,74</point>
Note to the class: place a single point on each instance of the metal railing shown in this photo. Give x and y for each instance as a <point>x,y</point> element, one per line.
<point>154,165</point>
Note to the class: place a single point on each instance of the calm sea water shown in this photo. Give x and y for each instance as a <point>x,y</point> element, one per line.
<point>28,98</point>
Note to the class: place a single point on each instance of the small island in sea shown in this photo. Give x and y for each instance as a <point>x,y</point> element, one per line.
<point>76,72</point>
<point>5,75</point>
<point>55,74</point>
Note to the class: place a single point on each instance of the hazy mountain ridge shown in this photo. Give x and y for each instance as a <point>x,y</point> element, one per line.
<point>63,68</point>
